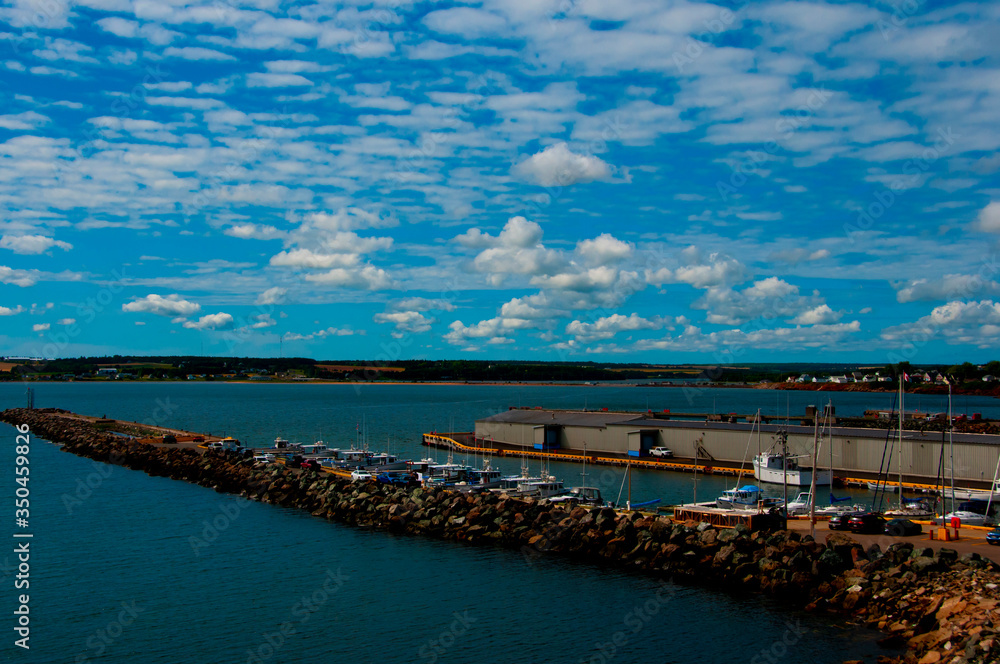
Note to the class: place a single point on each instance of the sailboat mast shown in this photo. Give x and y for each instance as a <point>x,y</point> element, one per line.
<point>900,463</point>
<point>951,447</point>
<point>812,480</point>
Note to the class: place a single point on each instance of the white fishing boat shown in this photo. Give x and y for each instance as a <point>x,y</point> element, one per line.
<point>580,495</point>
<point>800,505</point>
<point>745,497</point>
<point>776,468</point>
<point>968,518</point>
<point>913,508</point>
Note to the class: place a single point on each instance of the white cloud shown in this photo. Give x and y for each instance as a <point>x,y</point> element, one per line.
<point>405,322</point>
<point>719,270</point>
<point>171,305</point>
<point>7,311</point>
<point>219,321</point>
<point>557,166</point>
<point>31,244</point>
<point>421,304</point>
<point>261,321</point>
<point>27,121</point>
<point>196,53</point>
<point>328,332</point>
<point>40,327</point>
<point>254,232</point>
<point>604,249</point>
<point>368,277</point>
<point>957,323</point>
<point>989,218</point>
<point>820,315</point>
<point>609,326</point>
<point>271,80</point>
<point>948,287</point>
<point>23,278</point>
<point>273,295</point>
<point>66,321</point>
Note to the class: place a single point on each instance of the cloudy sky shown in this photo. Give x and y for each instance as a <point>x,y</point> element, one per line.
<point>552,179</point>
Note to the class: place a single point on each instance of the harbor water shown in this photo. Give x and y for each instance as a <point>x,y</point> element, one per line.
<point>131,568</point>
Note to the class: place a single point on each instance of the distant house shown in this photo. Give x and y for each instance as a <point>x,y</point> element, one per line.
<point>989,378</point>
<point>804,378</point>
<point>107,371</point>
<point>839,379</point>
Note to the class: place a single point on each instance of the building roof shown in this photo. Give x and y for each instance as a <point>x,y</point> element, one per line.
<point>599,419</point>
<point>602,419</point>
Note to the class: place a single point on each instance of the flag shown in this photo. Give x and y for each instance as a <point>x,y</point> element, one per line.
<point>906,377</point>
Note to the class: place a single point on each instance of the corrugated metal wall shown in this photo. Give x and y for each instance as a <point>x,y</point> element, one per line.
<point>921,455</point>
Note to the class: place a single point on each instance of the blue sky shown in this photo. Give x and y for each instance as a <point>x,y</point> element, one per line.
<point>546,179</point>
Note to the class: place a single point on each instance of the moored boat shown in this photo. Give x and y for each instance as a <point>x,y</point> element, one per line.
<point>776,468</point>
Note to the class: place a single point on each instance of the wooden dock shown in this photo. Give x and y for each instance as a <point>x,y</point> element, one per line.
<point>722,518</point>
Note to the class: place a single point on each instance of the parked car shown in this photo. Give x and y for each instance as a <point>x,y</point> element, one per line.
<point>867,522</point>
<point>993,537</point>
<point>839,521</point>
<point>902,528</point>
<point>661,452</point>
<point>309,464</point>
<point>360,476</point>
<point>260,459</point>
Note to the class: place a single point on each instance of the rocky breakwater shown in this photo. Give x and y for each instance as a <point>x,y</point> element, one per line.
<point>934,607</point>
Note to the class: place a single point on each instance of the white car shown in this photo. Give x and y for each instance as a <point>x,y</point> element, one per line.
<point>360,476</point>
<point>261,459</point>
<point>661,452</point>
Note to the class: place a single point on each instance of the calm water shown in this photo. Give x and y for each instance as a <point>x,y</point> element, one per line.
<point>342,594</point>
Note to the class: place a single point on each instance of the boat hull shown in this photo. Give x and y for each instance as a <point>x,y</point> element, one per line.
<point>795,477</point>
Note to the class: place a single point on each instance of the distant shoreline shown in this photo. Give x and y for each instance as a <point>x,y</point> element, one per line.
<point>782,386</point>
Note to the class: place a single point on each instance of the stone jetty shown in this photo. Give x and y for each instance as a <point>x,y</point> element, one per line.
<point>930,607</point>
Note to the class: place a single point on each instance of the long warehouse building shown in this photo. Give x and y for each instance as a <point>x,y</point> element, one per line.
<point>856,452</point>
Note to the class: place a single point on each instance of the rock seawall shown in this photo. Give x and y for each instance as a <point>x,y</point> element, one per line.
<point>937,607</point>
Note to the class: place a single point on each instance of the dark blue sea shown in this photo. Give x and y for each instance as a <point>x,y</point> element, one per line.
<point>131,568</point>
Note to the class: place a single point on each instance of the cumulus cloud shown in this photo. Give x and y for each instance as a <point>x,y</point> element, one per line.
<point>971,323</point>
<point>31,244</point>
<point>219,321</point>
<point>365,278</point>
<point>420,304</point>
<point>8,311</point>
<point>254,232</point>
<point>171,305</point>
<point>609,326</point>
<point>273,295</point>
<point>821,315</point>
<point>766,299</point>
<point>557,166</point>
<point>66,321</point>
<point>948,287</point>
<point>988,219</point>
<point>321,334</point>
<point>23,278</point>
<point>717,270</point>
<point>405,321</point>
<point>40,327</point>
<point>517,250</point>
<point>604,249</point>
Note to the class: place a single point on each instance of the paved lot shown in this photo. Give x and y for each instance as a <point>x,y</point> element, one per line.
<point>969,540</point>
